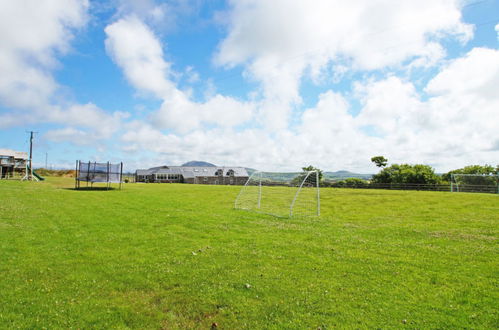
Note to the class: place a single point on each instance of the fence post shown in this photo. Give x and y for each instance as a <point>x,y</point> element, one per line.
<point>318,193</point>
<point>260,190</point>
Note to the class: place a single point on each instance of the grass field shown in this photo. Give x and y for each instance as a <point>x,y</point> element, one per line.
<point>179,256</point>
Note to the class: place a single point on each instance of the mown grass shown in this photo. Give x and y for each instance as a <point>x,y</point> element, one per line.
<point>179,256</point>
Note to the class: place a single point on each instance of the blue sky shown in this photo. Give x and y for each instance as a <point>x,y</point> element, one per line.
<point>273,85</point>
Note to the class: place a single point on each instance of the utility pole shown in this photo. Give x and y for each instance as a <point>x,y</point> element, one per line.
<point>46,158</point>
<point>29,175</point>
<point>31,155</point>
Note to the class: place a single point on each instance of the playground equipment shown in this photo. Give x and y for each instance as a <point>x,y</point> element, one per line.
<point>36,176</point>
<point>13,164</point>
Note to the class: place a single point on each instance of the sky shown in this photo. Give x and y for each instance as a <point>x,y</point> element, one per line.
<point>272,85</point>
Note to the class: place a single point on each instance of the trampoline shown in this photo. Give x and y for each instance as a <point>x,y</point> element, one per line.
<point>93,172</point>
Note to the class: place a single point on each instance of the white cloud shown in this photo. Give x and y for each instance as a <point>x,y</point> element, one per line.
<point>182,115</point>
<point>33,34</point>
<point>76,136</point>
<point>89,123</point>
<point>165,16</point>
<point>192,75</point>
<point>456,126</point>
<point>277,45</point>
<point>451,123</point>
<point>475,73</point>
<point>136,49</point>
<point>389,104</point>
<point>394,119</point>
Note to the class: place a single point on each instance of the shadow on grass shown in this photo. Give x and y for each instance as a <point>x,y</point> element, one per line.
<point>92,189</point>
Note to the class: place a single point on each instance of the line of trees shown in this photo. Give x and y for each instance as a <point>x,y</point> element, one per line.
<point>422,174</point>
<point>419,174</point>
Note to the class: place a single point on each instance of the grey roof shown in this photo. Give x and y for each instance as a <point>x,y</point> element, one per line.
<point>13,153</point>
<point>193,171</point>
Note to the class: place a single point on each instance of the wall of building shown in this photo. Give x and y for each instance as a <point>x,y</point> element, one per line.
<point>213,180</point>
<point>221,180</point>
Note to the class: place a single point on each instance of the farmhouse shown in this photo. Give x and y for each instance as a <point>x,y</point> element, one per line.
<point>12,163</point>
<point>194,174</point>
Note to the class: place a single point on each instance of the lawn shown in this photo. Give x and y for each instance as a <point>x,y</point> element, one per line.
<point>179,256</point>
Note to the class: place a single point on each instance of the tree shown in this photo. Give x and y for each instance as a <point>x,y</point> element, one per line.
<point>380,161</point>
<point>352,183</point>
<point>472,169</point>
<point>311,168</point>
<point>312,178</point>
<point>405,173</point>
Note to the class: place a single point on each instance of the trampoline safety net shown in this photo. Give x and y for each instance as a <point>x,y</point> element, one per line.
<point>99,172</point>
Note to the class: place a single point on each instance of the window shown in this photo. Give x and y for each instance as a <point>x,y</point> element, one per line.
<point>219,172</point>
<point>230,173</point>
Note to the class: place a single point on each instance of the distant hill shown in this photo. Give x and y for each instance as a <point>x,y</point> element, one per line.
<point>340,175</point>
<point>199,163</point>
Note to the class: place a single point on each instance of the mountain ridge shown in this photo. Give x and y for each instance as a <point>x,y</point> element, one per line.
<point>199,163</point>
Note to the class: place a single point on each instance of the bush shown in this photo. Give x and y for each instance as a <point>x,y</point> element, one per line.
<point>355,183</point>
<point>472,169</point>
<point>405,173</point>
<point>349,183</point>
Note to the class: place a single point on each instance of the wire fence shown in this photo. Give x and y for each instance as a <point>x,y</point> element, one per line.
<point>472,188</point>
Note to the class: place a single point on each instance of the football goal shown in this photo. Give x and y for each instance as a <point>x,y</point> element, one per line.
<point>486,183</point>
<point>281,194</point>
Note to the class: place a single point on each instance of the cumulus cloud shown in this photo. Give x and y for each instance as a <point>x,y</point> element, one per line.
<point>395,118</point>
<point>453,127</point>
<point>450,122</point>
<point>33,34</point>
<point>137,50</point>
<point>276,46</point>
<point>76,136</point>
<point>166,16</point>
<point>134,48</point>
<point>88,122</point>
<point>475,73</point>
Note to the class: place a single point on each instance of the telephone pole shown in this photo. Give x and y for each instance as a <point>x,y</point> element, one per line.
<point>31,155</point>
<point>29,174</point>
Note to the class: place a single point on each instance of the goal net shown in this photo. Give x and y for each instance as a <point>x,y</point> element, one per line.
<point>486,183</point>
<point>281,194</point>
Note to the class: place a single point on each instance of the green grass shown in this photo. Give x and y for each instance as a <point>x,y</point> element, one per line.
<point>179,256</point>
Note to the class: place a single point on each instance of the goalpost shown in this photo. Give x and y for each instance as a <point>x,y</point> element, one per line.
<point>281,194</point>
<point>487,183</point>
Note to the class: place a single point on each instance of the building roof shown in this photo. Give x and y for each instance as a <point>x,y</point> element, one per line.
<point>193,171</point>
<point>13,153</point>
